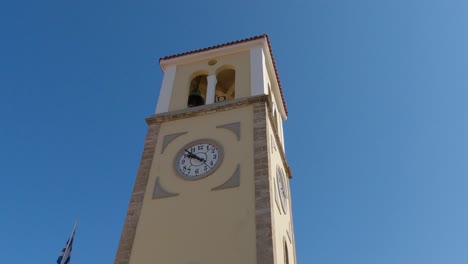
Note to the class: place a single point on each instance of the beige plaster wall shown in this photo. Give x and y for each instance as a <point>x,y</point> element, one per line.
<point>200,225</point>
<point>282,220</point>
<point>184,73</point>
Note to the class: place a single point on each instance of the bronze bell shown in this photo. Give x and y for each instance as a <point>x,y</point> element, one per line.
<point>195,98</point>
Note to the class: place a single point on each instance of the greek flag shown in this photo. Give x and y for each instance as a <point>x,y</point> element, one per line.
<point>65,255</point>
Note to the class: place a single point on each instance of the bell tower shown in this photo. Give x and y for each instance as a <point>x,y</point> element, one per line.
<point>213,182</point>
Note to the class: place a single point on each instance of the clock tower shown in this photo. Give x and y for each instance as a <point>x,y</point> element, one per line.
<point>213,182</point>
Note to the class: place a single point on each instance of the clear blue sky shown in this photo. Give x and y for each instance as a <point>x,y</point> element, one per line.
<point>377,136</point>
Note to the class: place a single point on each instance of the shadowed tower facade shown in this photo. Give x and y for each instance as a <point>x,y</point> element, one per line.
<point>213,182</point>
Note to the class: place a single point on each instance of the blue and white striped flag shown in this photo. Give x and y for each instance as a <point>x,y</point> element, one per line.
<point>65,255</point>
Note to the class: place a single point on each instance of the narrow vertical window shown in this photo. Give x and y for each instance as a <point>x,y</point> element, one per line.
<point>225,85</point>
<point>273,106</point>
<point>197,91</point>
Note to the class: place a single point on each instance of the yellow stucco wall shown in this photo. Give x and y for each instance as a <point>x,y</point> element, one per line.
<point>184,73</point>
<point>200,226</point>
<point>281,220</point>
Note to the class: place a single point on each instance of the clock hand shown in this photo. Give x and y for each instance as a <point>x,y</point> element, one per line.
<point>191,155</point>
<point>204,161</point>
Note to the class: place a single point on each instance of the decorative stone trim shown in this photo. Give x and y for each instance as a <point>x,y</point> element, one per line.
<point>205,109</point>
<point>136,201</point>
<point>160,192</point>
<point>233,181</point>
<point>234,128</point>
<point>263,214</point>
<point>169,138</point>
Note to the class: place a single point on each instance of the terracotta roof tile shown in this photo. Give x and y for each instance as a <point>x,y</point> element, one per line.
<point>265,36</point>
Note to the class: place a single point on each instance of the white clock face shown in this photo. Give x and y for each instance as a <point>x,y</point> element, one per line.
<point>281,188</point>
<point>198,159</point>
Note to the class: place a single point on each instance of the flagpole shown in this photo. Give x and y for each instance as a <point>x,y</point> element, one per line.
<point>68,243</point>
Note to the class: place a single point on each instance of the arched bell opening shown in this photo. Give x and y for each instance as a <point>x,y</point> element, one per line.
<point>197,91</point>
<point>225,85</point>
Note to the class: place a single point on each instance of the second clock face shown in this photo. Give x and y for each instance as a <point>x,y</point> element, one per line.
<point>198,159</point>
<point>281,188</point>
